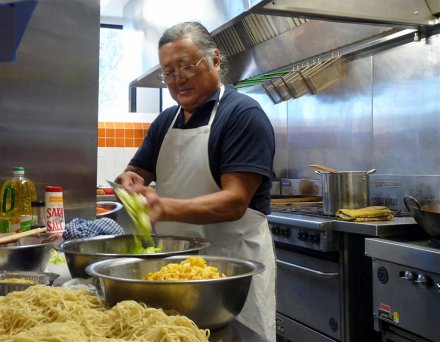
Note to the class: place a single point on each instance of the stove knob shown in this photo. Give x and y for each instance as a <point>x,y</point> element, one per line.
<point>314,237</point>
<point>285,232</point>
<point>303,235</point>
<point>423,281</point>
<point>408,275</point>
<point>382,275</point>
<point>275,230</point>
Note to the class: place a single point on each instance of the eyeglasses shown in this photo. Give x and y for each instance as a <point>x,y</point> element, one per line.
<point>183,72</point>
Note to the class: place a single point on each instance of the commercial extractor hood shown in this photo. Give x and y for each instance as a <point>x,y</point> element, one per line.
<point>276,35</point>
<point>397,13</point>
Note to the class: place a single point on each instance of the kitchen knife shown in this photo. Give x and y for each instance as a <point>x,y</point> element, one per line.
<point>115,186</point>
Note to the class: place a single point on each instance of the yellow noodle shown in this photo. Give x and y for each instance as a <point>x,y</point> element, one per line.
<point>193,268</point>
<point>54,314</point>
<point>17,281</point>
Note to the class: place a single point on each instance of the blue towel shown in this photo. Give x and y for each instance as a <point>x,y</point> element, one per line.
<point>81,228</point>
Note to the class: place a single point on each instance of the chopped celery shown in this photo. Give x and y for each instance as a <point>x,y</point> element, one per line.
<point>137,209</point>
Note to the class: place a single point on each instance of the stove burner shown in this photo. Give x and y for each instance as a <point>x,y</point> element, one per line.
<point>311,209</point>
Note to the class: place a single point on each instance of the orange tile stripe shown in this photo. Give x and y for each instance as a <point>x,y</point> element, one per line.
<point>121,134</point>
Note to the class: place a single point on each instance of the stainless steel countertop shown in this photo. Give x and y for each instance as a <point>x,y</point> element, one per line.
<point>397,226</point>
<point>418,253</point>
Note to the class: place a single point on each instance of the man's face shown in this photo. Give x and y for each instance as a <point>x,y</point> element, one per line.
<point>188,76</point>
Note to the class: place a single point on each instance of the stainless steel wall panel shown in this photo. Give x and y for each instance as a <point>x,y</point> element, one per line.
<point>278,117</point>
<point>49,102</point>
<point>384,114</point>
<point>333,128</point>
<point>406,93</point>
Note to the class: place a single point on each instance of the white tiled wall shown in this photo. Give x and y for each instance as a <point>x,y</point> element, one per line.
<point>111,162</point>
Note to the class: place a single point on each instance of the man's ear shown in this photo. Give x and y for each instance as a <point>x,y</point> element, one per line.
<point>216,58</point>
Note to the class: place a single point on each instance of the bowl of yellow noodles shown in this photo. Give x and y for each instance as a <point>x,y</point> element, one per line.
<point>82,252</point>
<point>210,290</point>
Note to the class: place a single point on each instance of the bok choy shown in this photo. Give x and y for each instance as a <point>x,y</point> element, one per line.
<point>139,212</point>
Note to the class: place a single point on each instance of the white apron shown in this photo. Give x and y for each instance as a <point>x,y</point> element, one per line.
<point>183,171</point>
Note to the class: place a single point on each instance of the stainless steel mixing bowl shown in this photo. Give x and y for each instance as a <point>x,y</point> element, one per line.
<point>209,303</point>
<point>32,257</point>
<point>82,252</point>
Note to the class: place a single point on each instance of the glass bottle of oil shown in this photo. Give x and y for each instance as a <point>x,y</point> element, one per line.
<point>16,199</point>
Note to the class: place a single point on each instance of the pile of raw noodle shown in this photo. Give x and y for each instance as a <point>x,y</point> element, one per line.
<point>55,314</point>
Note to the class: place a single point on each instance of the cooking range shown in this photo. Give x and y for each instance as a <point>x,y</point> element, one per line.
<point>406,288</point>
<point>309,273</point>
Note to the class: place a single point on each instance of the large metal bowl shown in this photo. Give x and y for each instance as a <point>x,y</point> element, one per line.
<point>32,257</point>
<point>209,303</point>
<point>82,252</point>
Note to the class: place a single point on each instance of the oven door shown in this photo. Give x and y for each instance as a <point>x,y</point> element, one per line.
<point>308,295</point>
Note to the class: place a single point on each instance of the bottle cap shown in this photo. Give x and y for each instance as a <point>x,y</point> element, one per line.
<point>18,169</point>
<point>38,203</point>
<point>51,188</point>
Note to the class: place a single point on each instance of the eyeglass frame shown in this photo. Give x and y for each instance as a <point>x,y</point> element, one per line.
<point>178,72</point>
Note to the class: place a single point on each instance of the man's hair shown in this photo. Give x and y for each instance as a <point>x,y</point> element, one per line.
<point>200,36</point>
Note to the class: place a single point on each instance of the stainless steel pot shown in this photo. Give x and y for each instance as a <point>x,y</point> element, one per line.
<point>345,190</point>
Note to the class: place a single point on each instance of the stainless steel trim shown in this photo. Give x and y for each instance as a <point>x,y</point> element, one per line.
<point>309,270</point>
<point>415,254</point>
<point>404,13</point>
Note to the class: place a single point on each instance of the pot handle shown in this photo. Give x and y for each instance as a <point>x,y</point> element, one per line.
<point>318,172</point>
<point>407,200</point>
<point>369,173</point>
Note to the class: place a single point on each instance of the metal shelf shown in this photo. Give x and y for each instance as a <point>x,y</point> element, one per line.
<point>150,79</point>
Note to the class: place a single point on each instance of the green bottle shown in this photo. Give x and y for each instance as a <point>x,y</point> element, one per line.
<point>16,199</point>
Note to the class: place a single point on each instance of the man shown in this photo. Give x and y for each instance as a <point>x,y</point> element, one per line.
<point>211,158</point>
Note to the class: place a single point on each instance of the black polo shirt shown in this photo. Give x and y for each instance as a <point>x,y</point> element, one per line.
<point>241,139</point>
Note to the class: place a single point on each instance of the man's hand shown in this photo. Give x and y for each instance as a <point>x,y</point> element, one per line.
<point>130,180</point>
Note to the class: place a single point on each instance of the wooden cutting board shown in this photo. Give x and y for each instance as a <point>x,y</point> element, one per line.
<point>295,200</point>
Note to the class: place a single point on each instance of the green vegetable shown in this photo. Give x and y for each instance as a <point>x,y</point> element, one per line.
<point>137,209</point>
<point>137,248</point>
<point>56,258</point>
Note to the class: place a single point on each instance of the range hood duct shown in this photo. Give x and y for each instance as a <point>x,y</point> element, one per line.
<point>395,13</point>
<point>298,46</point>
<point>309,30</point>
<point>274,35</point>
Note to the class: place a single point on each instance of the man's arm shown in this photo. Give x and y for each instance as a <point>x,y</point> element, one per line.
<point>228,204</point>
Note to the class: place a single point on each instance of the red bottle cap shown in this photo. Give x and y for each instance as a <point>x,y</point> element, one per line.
<point>51,188</point>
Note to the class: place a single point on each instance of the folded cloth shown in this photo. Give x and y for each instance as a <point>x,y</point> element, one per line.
<point>81,228</point>
<point>374,213</point>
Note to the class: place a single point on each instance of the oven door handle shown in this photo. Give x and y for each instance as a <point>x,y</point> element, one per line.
<point>309,270</point>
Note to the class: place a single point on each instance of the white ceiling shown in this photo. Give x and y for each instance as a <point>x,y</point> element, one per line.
<point>112,9</point>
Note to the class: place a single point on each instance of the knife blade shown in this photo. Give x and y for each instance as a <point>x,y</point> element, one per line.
<point>114,185</point>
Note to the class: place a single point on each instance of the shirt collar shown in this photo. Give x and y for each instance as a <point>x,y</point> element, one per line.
<point>213,98</point>
<point>204,108</point>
